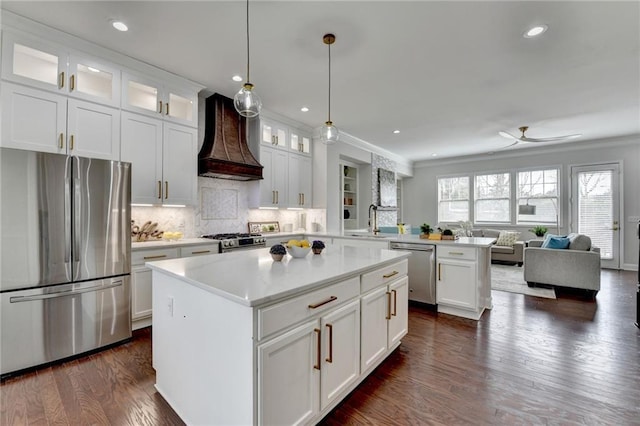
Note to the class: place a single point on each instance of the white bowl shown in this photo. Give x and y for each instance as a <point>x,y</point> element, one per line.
<point>298,252</point>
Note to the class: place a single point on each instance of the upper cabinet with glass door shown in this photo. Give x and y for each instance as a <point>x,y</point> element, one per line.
<point>147,96</point>
<point>274,133</point>
<point>47,66</point>
<point>299,141</point>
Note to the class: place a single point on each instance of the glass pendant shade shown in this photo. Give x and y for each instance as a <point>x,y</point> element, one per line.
<point>329,133</point>
<point>247,102</point>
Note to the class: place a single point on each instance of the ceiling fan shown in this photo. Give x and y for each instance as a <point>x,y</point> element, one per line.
<point>524,138</point>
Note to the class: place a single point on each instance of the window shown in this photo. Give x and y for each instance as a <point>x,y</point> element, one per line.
<point>492,198</point>
<point>453,199</point>
<point>538,188</point>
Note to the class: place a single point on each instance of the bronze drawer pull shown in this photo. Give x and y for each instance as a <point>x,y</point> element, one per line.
<point>329,300</point>
<point>457,253</point>
<point>439,271</point>
<point>391,274</point>
<point>201,252</point>
<point>388,305</point>
<point>160,256</point>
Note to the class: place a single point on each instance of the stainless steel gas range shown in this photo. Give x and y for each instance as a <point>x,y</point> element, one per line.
<point>233,242</point>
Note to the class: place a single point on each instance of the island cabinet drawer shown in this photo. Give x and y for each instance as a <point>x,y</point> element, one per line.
<point>284,314</point>
<point>384,275</point>
<point>463,253</point>
<point>142,256</point>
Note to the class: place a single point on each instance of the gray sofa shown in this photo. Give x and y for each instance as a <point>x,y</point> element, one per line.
<point>509,254</point>
<point>576,267</point>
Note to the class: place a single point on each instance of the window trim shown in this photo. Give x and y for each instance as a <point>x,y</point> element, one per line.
<point>468,200</point>
<point>558,198</point>
<point>509,199</point>
<point>513,196</point>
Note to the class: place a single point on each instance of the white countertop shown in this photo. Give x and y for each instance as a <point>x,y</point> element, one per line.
<point>252,277</point>
<point>164,243</point>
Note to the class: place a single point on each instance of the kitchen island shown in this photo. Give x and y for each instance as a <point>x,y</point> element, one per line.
<point>241,339</point>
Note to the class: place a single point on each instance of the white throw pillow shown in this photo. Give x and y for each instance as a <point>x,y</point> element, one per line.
<point>507,238</point>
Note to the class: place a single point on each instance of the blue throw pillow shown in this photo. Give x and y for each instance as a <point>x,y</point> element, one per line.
<point>557,243</point>
<point>547,237</point>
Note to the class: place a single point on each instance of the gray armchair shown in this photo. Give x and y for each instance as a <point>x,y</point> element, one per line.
<point>576,267</point>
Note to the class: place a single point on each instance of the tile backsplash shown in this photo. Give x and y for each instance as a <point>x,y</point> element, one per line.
<point>224,207</point>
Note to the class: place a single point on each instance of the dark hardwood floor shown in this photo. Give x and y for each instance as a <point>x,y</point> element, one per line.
<point>528,361</point>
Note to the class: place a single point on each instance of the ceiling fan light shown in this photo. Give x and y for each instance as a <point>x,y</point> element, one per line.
<point>329,133</point>
<point>247,102</point>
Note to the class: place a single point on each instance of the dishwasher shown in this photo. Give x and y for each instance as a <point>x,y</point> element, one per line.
<point>422,274</point>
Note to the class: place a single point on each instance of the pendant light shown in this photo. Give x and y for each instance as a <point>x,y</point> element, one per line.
<point>329,133</point>
<point>246,101</point>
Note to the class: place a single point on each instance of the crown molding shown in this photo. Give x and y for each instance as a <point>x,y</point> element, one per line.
<point>617,141</point>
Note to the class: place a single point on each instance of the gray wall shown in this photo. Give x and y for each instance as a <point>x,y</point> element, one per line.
<point>420,192</point>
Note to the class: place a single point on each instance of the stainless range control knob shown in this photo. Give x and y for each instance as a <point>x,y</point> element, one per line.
<point>225,244</point>
<point>232,243</point>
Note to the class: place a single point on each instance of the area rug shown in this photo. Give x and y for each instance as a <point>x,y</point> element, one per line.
<point>511,278</point>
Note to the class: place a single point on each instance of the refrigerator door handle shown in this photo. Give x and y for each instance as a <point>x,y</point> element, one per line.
<point>64,293</point>
<point>68,184</point>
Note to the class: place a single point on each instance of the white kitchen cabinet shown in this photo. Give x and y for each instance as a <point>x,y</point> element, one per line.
<point>340,356</point>
<point>323,356</point>
<point>463,280</point>
<point>299,141</point>
<point>164,160</point>
<point>273,186</point>
<point>315,363</point>
<point>384,320</point>
<point>38,120</point>
<point>299,181</point>
<point>289,383</point>
<point>151,97</point>
<point>41,64</point>
<point>273,133</point>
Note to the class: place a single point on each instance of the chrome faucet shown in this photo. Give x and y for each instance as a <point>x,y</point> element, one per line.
<point>373,227</point>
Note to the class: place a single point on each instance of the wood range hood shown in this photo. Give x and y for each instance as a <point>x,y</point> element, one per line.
<point>225,153</point>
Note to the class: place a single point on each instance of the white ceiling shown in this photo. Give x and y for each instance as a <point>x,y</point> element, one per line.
<point>449,75</point>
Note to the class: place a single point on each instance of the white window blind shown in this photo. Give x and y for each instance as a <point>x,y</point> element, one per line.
<point>595,209</point>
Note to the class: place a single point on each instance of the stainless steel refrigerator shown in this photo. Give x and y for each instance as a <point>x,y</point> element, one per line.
<point>66,256</point>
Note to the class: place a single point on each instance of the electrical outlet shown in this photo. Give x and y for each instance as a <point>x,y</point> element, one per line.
<point>170,305</point>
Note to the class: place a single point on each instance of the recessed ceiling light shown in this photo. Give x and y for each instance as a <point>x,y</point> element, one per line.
<point>434,155</point>
<point>535,31</point>
<point>236,78</point>
<point>304,109</point>
<point>120,26</point>
<point>396,131</point>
